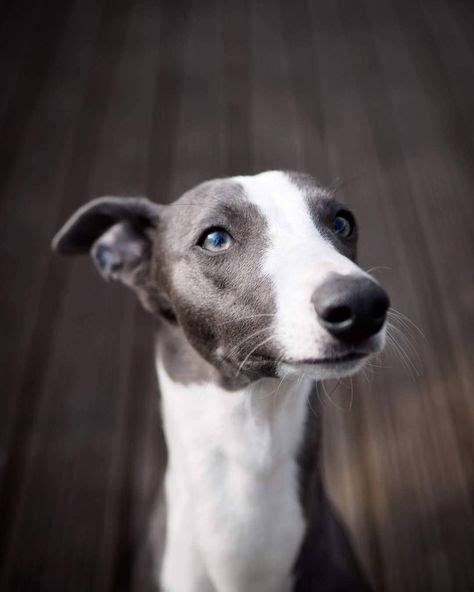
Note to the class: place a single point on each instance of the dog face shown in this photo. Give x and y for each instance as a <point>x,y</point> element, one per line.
<point>258,271</point>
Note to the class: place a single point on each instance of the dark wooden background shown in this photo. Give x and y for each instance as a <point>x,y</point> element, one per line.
<point>133,97</point>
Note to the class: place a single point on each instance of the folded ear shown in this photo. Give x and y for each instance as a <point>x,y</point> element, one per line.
<point>118,234</point>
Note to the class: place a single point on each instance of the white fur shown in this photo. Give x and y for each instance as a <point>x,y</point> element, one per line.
<point>234,521</point>
<point>298,260</point>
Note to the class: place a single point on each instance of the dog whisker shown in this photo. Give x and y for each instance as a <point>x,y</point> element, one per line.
<point>378,268</point>
<point>251,352</point>
<point>236,347</point>
<point>275,392</point>
<point>339,183</point>
<point>330,399</point>
<point>309,401</point>
<point>403,340</point>
<point>402,318</point>
<point>367,374</point>
<point>328,396</point>
<point>404,357</point>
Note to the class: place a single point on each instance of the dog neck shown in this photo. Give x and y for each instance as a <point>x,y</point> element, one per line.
<point>257,427</point>
<point>232,467</point>
<point>270,409</point>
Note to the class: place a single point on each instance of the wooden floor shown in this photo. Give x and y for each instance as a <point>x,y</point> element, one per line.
<point>131,97</point>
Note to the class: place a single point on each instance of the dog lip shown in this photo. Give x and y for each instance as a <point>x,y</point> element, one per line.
<point>350,357</point>
<point>332,361</point>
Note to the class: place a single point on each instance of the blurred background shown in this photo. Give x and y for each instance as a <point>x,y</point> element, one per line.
<point>124,97</point>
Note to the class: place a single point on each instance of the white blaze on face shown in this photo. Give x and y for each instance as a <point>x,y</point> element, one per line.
<point>298,260</point>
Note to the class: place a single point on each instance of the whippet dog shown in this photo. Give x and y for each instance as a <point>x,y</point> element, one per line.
<point>256,291</point>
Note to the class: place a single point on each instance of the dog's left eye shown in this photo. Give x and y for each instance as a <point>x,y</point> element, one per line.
<point>343,224</point>
<point>217,239</point>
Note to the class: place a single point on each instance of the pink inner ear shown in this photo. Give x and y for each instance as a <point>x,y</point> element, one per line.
<point>119,251</point>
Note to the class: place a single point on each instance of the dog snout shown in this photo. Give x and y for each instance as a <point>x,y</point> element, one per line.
<point>351,308</point>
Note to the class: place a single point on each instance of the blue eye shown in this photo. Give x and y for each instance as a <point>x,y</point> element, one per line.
<point>343,224</point>
<point>216,240</point>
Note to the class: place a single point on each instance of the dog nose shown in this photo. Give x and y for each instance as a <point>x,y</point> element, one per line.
<point>351,308</point>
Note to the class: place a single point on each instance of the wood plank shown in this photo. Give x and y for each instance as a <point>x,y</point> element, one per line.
<point>197,154</point>
<point>28,85</point>
<point>38,450</point>
<point>388,138</point>
<point>275,124</point>
<point>234,80</point>
<point>32,195</point>
<point>17,26</point>
<point>31,199</point>
<point>350,161</point>
<point>168,96</point>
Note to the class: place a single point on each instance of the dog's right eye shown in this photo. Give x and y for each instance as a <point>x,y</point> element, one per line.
<point>216,239</point>
<point>343,224</point>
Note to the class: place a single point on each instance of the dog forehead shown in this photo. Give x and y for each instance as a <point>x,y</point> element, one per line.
<point>289,202</point>
<point>280,197</point>
<point>210,197</point>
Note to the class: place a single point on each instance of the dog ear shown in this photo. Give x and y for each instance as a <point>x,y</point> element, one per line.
<point>118,234</point>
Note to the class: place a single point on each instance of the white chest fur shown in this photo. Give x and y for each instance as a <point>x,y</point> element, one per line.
<point>234,522</point>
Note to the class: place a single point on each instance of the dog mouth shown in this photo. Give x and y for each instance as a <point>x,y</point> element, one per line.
<point>330,366</point>
<point>332,361</point>
<point>335,360</point>
<point>329,360</point>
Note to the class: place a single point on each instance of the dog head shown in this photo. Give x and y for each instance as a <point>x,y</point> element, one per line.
<point>259,272</point>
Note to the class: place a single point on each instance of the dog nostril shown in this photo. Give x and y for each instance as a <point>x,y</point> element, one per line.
<point>379,309</point>
<point>337,314</point>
